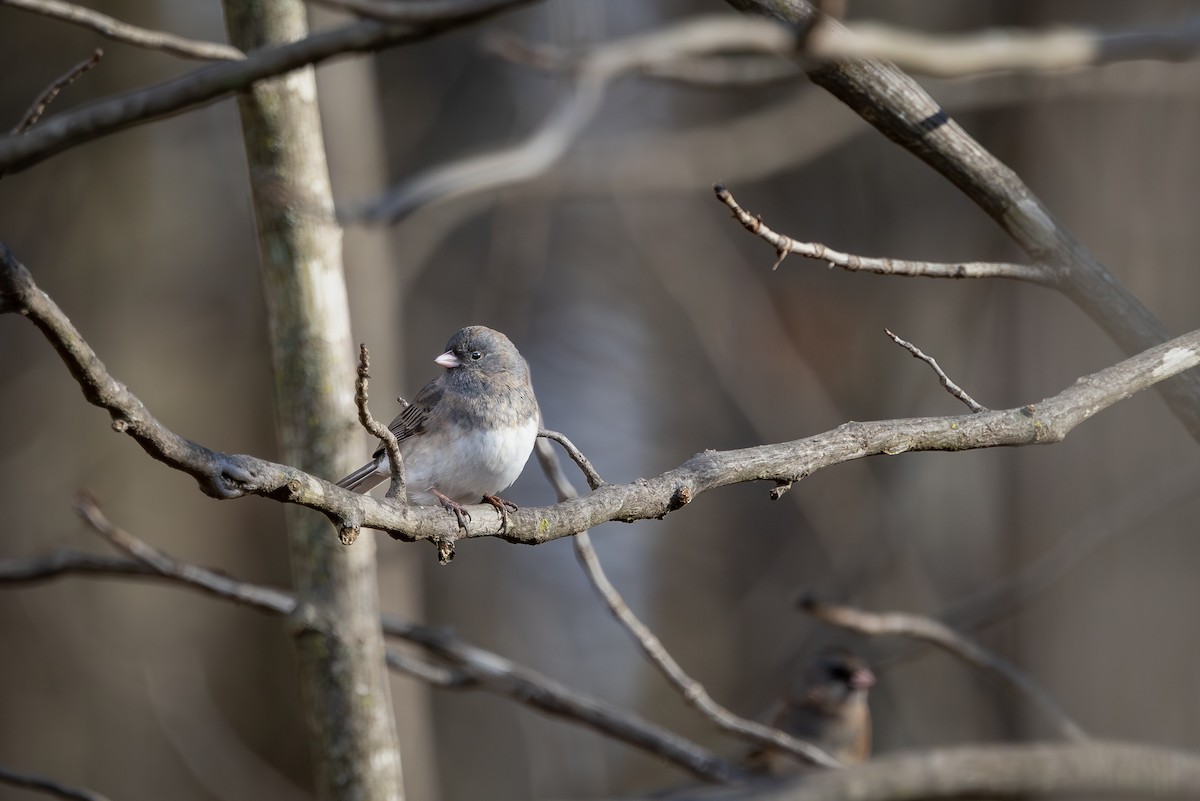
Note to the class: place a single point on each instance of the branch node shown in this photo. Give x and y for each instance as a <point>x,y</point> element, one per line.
<point>445,549</point>
<point>781,488</point>
<point>348,533</point>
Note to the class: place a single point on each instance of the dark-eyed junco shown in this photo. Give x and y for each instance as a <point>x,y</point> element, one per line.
<point>468,433</point>
<point>829,709</point>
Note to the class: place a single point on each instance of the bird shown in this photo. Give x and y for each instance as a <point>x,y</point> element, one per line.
<point>468,433</point>
<point>829,709</point>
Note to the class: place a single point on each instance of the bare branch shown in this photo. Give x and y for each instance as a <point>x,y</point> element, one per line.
<point>1007,771</point>
<point>41,784</point>
<point>129,34</point>
<point>785,245</point>
<point>692,691</point>
<point>498,675</point>
<point>595,71</point>
<point>47,97</point>
<point>593,478</point>
<point>209,84</point>
<point>947,384</point>
<point>936,633</point>
<point>898,107</point>
<point>469,667</point>
<point>424,12</point>
<point>378,429</point>
<point>994,49</point>
<point>224,476</point>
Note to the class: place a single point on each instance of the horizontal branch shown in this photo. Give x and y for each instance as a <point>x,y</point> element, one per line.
<point>993,49</point>
<point>593,72</point>
<point>423,12</point>
<point>213,82</point>
<point>223,475</point>
<point>785,245</point>
<point>470,667</point>
<point>129,34</point>
<point>1009,771</point>
<point>30,781</point>
<point>899,108</point>
<point>936,633</point>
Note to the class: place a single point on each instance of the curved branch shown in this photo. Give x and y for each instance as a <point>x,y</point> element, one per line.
<point>213,82</point>
<point>937,633</point>
<point>594,72</point>
<point>223,475</point>
<point>41,784</point>
<point>129,34</point>
<point>901,110</point>
<point>469,667</point>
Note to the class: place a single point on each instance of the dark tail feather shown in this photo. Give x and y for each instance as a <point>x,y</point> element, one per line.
<point>364,479</point>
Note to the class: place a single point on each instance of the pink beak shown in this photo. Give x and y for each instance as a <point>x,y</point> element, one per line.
<point>862,679</point>
<point>448,360</point>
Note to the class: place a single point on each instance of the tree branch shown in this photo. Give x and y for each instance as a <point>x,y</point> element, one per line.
<point>693,692</point>
<point>1008,771</point>
<point>128,34</point>
<point>594,72</point>
<point>936,633</point>
<point>379,430</point>
<point>900,109</point>
<point>948,385</point>
<point>223,475</point>
<point>213,82</point>
<point>993,49</point>
<point>41,784</point>
<point>881,266</point>
<point>424,12</point>
<point>468,666</point>
<point>43,100</point>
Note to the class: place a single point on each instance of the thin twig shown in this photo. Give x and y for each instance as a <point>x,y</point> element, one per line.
<point>593,478</point>
<point>378,429</point>
<point>901,624</point>
<point>947,384</point>
<point>47,97</point>
<point>31,781</point>
<point>692,691</point>
<point>785,245</point>
<point>129,34</point>
<point>468,667</point>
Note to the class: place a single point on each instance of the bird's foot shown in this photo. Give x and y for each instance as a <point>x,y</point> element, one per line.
<point>451,505</point>
<point>503,507</point>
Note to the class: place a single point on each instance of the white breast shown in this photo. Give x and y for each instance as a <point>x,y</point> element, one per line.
<point>471,465</point>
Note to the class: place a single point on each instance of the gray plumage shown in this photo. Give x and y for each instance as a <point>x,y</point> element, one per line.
<point>468,433</point>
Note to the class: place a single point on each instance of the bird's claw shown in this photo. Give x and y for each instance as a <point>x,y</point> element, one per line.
<point>503,507</point>
<point>451,505</point>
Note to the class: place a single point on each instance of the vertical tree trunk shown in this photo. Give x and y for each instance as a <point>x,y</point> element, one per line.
<point>342,674</point>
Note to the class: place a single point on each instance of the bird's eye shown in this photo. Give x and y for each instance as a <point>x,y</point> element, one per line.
<point>476,355</point>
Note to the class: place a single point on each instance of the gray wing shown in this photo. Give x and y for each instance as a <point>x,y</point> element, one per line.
<point>409,423</point>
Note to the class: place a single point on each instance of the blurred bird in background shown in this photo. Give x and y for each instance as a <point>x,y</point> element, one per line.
<point>828,709</point>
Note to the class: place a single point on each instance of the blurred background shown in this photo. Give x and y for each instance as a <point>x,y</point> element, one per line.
<point>655,329</point>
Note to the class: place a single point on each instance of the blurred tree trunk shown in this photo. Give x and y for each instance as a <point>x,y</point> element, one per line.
<point>351,727</point>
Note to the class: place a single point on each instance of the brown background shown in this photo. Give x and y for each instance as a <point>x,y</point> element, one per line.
<point>654,329</point>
